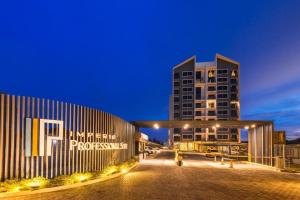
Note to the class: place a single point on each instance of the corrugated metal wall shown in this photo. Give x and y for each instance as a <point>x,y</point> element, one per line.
<point>76,118</point>
<point>260,145</point>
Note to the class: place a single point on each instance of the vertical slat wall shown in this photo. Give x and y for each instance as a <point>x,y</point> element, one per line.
<point>14,164</point>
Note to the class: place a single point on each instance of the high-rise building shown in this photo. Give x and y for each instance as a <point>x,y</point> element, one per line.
<point>205,91</point>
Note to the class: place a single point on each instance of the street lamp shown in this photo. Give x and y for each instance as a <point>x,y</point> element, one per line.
<point>185,126</point>
<point>156,126</point>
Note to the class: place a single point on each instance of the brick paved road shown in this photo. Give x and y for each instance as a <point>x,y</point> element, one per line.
<point>198,179</point>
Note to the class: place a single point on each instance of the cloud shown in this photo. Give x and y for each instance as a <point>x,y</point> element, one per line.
<point>287,120</point>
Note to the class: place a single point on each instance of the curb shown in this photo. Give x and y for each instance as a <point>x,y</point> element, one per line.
<point>63,187</point>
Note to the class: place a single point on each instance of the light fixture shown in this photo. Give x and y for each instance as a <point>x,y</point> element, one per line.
<point>253,126</point>
<point>185,126</point>
<point>214,127</point>
<point>246,127</point>
<point>156,126</point>
<point>124,171</point>
<point>217,125</point>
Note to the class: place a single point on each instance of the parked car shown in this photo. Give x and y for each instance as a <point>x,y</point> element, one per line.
<point>149,150</point>
<point>156,150</point>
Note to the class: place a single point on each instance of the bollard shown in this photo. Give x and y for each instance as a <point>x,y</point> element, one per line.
<point>231,164</point>
<point>179,162</point>
<point>176,155</point>
<point>215,158</point>
<point>222,161</point>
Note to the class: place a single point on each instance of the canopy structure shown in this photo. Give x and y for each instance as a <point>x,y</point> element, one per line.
<point>201,123</point>
<point>260,134</point>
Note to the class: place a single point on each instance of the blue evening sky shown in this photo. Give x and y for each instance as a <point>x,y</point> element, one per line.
<point>118,55</point>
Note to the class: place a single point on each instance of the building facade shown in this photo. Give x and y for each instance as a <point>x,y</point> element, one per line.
<point>205,91</point>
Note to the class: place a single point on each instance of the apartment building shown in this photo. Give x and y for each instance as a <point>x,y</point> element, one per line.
<point>205,91</point>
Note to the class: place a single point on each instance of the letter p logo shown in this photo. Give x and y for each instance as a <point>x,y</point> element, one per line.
<point>35,136</point>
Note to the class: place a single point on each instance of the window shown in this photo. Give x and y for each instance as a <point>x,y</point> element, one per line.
<point>176,138</point>
<point>176,107</point>
<point>211,88</point>
<point>198,93</point>
<point>185,89</point>
<point>222,96</point>
<point>176,75</point>
<point>176,91</point>
<point>222,129</point>
<point>199,130</point>
<point>187,112</point>
<point>176,130</point>
<point>233,113</point>
<point>176,115</point>
<point>222,71</point>
<point>176,84</point>
<point>233,97</point>
<point>211,113</point>
<point>211,96</point>
<point>176,99</point>
<point>211,137</point>
<point>189,73</point>
<point>198,137</point>
<point>234,73</point>
<point>211,73</point>
<point>234,130</point>
<point>233,88</point>
<point>211,105</point>
<point>222,87</point>
<point>187,81</point>
<point>222,112</point>
<point>222,104</point>
<point>198,76</point>
<point>187,105</point>
<point>187,136</point>
<point>187,97</point>
<point>233,81</point>
<point>200,105</point>
<point>211,76</point>
<point>234,137</point>
<point>198,113</point>
<point>222,80</point>
<point>222,137</point>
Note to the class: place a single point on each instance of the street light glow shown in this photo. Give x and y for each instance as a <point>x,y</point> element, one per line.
<point>185,126</point>
<point>156,126</point>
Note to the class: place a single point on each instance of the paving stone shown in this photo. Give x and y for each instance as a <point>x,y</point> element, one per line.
<point>197,179</point>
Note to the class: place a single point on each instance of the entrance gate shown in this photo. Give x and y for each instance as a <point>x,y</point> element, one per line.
<point>262,139</point>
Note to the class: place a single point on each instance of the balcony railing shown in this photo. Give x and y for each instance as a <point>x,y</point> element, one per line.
<point>200,80</point>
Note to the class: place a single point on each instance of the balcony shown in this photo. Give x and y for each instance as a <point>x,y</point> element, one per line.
<point>211,113</point>
<point>212,96</point>
<point>200,105</point>
<point>200,80</point>
<point>211,80</point>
